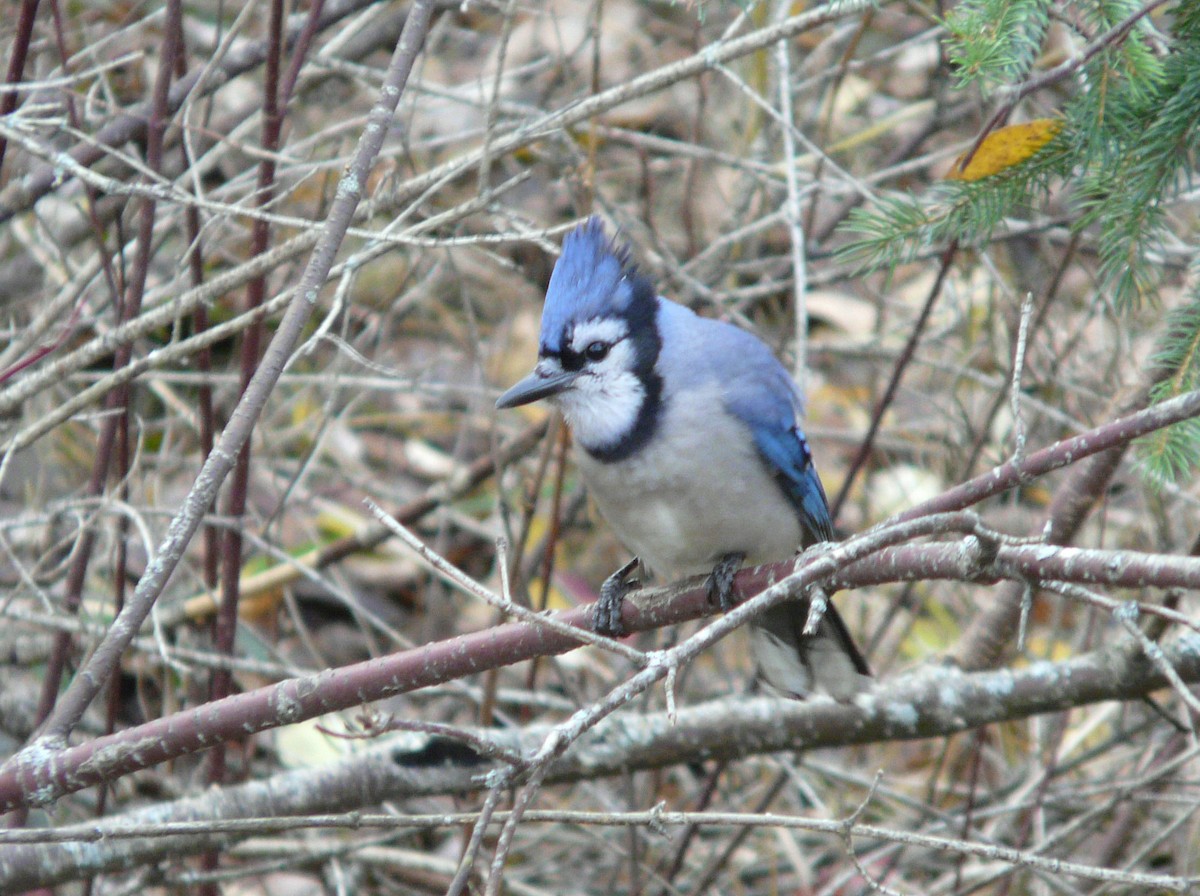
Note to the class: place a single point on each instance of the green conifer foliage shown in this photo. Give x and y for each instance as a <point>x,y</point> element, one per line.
<point>1127,148</point>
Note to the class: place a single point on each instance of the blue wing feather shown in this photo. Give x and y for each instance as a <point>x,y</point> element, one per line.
<point>786,451</point>
<point>754,387</point>
<point>764,395</point>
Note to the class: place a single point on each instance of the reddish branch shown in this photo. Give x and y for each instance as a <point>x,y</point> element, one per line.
<point>225,624</point>
<point>1060,454</point>
<point>983,643</point>
<point>16,64</point>
<point>926,703</point>
<point>39,776</point>
<point>183,526</point>
<point>113,430</point>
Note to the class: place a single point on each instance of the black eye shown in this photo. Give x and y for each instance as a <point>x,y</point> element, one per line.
<point>597,351</point>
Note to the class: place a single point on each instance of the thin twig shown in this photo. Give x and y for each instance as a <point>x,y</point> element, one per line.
<point>104,659</point>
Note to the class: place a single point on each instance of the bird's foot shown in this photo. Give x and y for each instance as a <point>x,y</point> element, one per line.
<point>606,615</point>
<point>720,581</point>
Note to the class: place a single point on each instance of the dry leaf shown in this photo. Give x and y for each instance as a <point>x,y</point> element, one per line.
<point>1005,147</point>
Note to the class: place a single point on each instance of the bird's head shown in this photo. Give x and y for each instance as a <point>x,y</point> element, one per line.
<point>598,345</point>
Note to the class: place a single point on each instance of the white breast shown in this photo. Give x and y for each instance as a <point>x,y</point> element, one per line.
<point>697,492</point>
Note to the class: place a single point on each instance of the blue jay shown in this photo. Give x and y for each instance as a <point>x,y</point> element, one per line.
<point>687,435</point>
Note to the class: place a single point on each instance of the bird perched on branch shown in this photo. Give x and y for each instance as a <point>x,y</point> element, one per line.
<point>687,434</point>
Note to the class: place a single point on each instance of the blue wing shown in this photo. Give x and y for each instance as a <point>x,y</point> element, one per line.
<point>754,387</point>
<point>786,452</point>
<point>763,394</point>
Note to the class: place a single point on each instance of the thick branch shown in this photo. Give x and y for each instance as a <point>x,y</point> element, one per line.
<point>40,776</point>
<point>1060,454</point>
<point>933,701</point>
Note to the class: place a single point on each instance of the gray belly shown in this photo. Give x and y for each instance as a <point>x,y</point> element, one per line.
<point>681,511</point>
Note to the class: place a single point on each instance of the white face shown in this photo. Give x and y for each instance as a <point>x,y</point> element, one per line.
<point>603,403</point>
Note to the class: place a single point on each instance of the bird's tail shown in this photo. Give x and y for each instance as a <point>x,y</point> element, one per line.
<point>795,664</point>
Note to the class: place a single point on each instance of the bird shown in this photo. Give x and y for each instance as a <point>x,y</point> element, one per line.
<point>686,432</point>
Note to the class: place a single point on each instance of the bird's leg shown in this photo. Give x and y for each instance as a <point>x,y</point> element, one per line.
<point>606,615</point>
<point>720,581</point>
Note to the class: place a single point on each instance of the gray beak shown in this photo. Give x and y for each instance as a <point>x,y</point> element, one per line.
<point>539,384</point>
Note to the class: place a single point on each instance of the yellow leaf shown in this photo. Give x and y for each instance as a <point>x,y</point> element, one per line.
<point>303,410</point>
<point>338,521</point>
<point>1005,147</point>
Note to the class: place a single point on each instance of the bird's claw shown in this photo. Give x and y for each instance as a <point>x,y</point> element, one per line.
<point>606,615</point>
<point>720,581</point>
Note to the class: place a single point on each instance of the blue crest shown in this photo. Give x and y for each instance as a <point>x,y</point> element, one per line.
<point>593,278</point>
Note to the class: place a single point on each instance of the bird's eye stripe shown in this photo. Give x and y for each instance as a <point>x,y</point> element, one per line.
<point>608,330</point>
